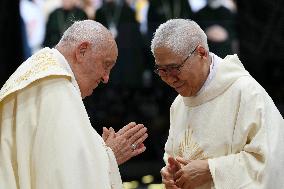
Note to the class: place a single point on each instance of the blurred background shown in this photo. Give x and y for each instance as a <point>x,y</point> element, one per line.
<point>252,29</point>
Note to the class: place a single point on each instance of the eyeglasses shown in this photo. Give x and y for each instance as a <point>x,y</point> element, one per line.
<point>172,70</point>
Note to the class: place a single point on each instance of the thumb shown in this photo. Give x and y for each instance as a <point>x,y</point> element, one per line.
<point>174,164</point>
<point>105,134</point>
<point>111,133</point>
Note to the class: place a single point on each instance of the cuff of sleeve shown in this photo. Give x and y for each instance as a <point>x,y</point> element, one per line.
<point>212,170</point>
<point>115,177</point>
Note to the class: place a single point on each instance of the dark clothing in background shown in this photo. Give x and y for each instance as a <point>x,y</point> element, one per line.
<point>129,65</point>
<point>58,21</point>
<point>162,10</point>
<point>223,17</point>
<point>261,36</point>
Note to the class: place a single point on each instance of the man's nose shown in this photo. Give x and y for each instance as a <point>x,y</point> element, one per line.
<point>105,78</point>
<point>170,79</point>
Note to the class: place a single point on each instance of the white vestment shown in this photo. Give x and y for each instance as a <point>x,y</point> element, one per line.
<point>46,138</point>
<point>235,125</point>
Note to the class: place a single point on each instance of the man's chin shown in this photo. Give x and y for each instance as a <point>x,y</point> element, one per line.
<point>183,93</point>
<point>90,92</point>
<point>180,91</point>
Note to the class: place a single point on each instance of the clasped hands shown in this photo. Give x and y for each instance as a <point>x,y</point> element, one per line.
<point>185,174</point>
<point>127,142</point>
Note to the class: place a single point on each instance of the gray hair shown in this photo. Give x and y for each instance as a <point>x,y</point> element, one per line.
<point>179,35</point>
<point>87,30</point>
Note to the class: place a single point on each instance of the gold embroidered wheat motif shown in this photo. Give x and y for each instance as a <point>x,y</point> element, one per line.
<point>189,149</point>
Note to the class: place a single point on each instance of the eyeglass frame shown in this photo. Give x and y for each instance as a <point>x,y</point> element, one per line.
<point>169,70</point>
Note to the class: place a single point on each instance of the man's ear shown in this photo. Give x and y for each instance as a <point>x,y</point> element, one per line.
<point>202,52</point>
<point>81,51</point>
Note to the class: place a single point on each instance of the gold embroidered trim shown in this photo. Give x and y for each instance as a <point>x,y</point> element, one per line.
<point>35,66</point>
<point>189,149</point>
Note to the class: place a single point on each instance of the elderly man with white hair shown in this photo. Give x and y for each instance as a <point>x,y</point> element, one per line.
<point>225,131</point>
<point>46,138</point>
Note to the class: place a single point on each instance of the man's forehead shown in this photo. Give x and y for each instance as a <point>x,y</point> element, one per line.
<point>167,59</point>
<point>162,50</point>
<point>165,51</point>
<point>109,52</point>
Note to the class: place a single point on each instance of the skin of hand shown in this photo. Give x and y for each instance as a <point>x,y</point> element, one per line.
<point>168,173</point>
<point>192,174</point>
<point>121,142</point>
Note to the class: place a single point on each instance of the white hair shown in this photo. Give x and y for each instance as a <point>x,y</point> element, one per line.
<point>87,30</point>
<point>179,35</point>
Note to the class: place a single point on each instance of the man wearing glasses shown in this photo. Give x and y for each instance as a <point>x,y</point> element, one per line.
<point>225,131</point>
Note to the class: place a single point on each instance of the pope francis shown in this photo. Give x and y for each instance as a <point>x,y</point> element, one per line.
<point>46,138</point>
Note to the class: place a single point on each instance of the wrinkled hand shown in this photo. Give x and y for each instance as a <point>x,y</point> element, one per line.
<point>168,173</point>
<point>193,173</point>
<point>121,142</point>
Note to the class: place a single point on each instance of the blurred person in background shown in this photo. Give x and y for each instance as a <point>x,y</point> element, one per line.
<point>60,19</point>
<point>261,43</point>
<point>219,24</point>
<point>163,10</point>
<point>34,21</point>
<point>46,138</point>
<point>120,19</point>
<point>141,8</point>
<point>225,130</point>
<point>89,7</point>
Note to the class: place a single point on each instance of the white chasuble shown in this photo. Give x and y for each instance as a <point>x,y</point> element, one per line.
<point>46,138</point>
<point>235,125</point>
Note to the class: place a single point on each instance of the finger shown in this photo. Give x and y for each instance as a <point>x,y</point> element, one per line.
<point>126,128</point>
<point>138,151</point>
<point>141,145</point>
<point>165,173</point>
<point>133,131</point>
<point>139,136</point>
<point>140,140</point>
<point>180,182</point>
<point>166,177</point>
<point>168,183</point>
<point>164,170</point>
<point>111,133</point>
<point>174,164</point>
<point>182,160</point>
<point>105,133</point>
<point>171,160</point>
<point>178,174</point>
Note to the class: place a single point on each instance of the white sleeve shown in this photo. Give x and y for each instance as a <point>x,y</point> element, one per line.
<point>261,124</point>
